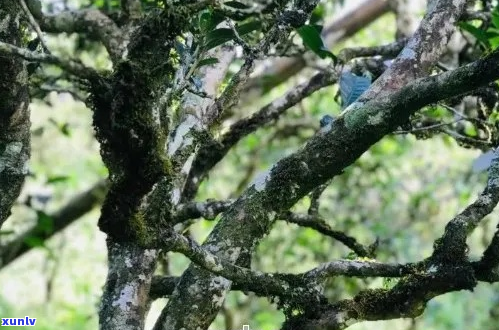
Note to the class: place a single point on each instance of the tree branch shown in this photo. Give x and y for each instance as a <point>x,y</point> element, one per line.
<point>326,155</point>
<point>451,247</point>
<point>211,154</point>
<point>283,285</point>
<point>72,66</point>
<point>73,210</point>
<point>317,223</point>
<point>126,293</point>
<point>487,269</point>
<point>211,208</point>
<point>389,50</point>
<point>208,210</point>
<point>282,69</point>
<point>33,23</point>
<point>92,22</point>
<point>448,269</point>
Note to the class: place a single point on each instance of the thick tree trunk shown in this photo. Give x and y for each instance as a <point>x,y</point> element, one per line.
<point>14,113</point>
<point>126,294</point>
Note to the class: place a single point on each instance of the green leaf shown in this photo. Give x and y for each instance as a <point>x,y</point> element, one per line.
<point>470,130</point>
<point>436,112</point>
<point>318,27</point>
<point>493,118</point>
<point>65,129</point>
<point>236,4</point>
<point>58,178</point>
<point>217,37</point>
<point>495,18</point>
<point>312,39</point>
<point>45,222</point>
<point>249,27</point>
<point>209,21</point>
<point>6,232</point>
<point>317,14</point>
<point>204,21</point>
<point>99,3</point>
<point>479,34</point>
<point>222,35</point>
<point>207,61</point>
<point>494,42</point>
<point>492,33</point>
<point>34,241</point>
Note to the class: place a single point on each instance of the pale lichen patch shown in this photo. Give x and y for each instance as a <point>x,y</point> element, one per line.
<point>128,262</point>
<point>176,194</point>
<point>188,164</point>
<point>182,130</point>
<point>217,300</point>
<point>260,181</point>
<point>9,158</point>
<point>376,119</point>
<point>4,23</point>
<point>127,298</point>
<point>212,263</point>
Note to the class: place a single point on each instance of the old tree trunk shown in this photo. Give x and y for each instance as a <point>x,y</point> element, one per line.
<point>168,110</point>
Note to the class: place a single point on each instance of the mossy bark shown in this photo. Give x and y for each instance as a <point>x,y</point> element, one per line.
<point>14,113</point>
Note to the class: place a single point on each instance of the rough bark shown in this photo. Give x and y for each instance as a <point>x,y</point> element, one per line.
<point>280,70</point>
<point>156,161</point>
<point>125,297</point>
<point>14,113</point>
<point>200,294</point>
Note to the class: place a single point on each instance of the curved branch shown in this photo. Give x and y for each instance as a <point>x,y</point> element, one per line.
<point>280,284</point>
<point>211,154</point>
<point>452,245</point>
<point>74,67</point>
<point>336,146</point>
<point>282,69</point>
<point>90,21</point>
<point>317,223</point>
<point>448,269</point>
<point>73,210</point>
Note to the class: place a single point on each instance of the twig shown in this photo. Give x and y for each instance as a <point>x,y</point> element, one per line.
<point>319,224</point>
<point>427,128</point>
<point>208,210</point>
<point>389,50</point>
<point>34,24</point>
<point>72,66</point>
<point>315,198</point>
<point>464,139</point>
<point>459,114</point>
<point>452,245</point>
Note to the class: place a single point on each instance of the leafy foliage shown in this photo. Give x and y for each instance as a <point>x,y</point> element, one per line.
<point>312,39</point>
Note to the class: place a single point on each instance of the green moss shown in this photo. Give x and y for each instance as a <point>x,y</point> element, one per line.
<point>387,304</point>
<point>355,118</point>
<point>132,141</point>
<point>139,226</point>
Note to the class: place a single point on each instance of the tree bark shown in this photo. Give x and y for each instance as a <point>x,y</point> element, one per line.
<point>14,113</point>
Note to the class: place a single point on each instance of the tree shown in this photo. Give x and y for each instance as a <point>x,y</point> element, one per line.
<point>157,115</point>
